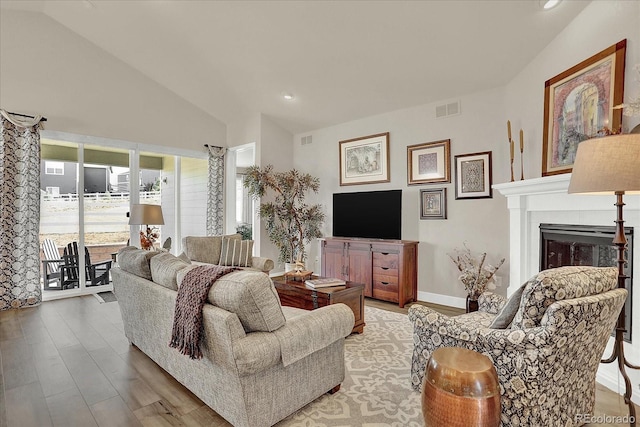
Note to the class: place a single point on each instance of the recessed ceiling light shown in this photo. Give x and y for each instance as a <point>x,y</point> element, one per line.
<point>288,96</point>
<point>549,4</point>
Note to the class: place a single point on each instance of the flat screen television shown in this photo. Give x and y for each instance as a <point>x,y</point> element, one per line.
<point>369,214</point>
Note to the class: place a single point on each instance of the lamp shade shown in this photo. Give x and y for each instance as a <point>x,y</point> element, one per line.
<point>146,215</point>
<point>607,165</point>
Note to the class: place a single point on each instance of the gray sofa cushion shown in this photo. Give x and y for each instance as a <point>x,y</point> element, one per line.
<point>136,261</point>
<point>236,253</point>
<point>165,268</point>
<point>205,248</point>
<point>252,297</point>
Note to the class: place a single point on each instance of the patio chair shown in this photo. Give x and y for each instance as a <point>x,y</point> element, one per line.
<point>51,263</point>
<point>96,274</point>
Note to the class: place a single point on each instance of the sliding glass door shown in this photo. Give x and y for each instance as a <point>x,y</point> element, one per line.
<point>86,194</point>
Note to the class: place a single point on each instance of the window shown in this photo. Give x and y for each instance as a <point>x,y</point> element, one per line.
<point>54,168</point>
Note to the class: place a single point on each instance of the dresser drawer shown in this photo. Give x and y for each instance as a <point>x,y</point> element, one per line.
<point>387,260</point>
<point>385,290</point>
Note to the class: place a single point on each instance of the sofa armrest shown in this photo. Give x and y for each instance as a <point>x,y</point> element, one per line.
<point>490,302</point>
<point>427,322</point>
<point>262,263</point>
<point>306,334</point>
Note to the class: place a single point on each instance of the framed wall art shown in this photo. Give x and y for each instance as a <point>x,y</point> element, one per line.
<point>433,203</point>
<point>365,160</point>
<point>578,105</point>
<point>429,163</point>
<point>473,176</point>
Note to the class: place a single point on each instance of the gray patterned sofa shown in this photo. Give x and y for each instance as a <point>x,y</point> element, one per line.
<point>546,355</point>
<point>208,250</point>
<point>262,361</point>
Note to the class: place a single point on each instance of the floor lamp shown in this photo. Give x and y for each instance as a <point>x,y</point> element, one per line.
<point>611,165</point>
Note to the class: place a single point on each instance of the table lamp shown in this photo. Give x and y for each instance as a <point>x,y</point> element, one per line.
<point>146,215</point>
<point>611,165</point>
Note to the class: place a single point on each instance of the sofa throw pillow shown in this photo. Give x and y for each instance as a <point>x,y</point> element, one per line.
<point>165,268</point>
<point>236,253</point>
<point>136,261</point>
<point>505,316</point>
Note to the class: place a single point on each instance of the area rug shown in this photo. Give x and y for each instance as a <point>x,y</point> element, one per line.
<point>377,388</point>
<point>107,296</point>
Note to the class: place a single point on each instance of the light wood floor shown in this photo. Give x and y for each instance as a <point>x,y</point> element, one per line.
<point>67,363</point>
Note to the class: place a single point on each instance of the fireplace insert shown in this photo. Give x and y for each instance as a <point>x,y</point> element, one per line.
<point>563,244</point>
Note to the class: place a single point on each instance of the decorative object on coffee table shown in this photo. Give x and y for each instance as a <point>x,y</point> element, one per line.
<point>474,274</point>
<point>298,276</point>
<point>460,389</point>
<point>290,222</point>
<point>610,165</point>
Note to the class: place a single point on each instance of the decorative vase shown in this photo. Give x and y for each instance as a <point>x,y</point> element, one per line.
<point>472,304</point>
<point>289,266</point>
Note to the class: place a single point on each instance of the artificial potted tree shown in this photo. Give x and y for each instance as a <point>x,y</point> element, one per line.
<point>290,222</point>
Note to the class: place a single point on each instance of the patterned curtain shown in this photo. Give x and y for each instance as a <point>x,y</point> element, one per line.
<point>19,212</point>
<point>215,192</point>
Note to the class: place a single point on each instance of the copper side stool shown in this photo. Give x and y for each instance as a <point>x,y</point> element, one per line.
<point>460,389</point>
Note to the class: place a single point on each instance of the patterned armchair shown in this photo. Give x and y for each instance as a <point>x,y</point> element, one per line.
<point>547,357</point>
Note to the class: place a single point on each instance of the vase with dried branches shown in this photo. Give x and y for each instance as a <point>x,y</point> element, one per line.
<point>474,274</point>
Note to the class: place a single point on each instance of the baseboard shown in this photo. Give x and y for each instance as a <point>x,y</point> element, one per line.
<point>447,300</point>
<point>617,386</point>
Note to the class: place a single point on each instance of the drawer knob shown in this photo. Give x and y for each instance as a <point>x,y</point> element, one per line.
<point>385,283</point>
<point>384,253</point>
<point>384,268</point>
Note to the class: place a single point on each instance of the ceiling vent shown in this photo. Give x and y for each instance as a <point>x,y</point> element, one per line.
<point>445,110</point>
<point>305,140</point>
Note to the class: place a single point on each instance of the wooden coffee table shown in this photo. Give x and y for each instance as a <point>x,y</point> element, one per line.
<point>297,294</point>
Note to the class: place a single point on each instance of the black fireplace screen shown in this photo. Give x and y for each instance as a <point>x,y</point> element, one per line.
<point>562,245</point>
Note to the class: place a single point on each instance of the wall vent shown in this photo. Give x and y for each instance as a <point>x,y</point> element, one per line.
<point>445,110</point>
<point>305,140</point>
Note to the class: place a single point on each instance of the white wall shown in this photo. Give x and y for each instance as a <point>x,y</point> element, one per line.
<point>482,223</point>
<point>193,196</point>
<point>274,147</point>
<point>598,26</point>
<point>47,69</point>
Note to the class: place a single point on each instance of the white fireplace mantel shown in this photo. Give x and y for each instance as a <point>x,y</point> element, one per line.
<point>536,201</point>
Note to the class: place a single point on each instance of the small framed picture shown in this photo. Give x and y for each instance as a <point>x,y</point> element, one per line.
<point>473,176</point>
<point>365,160</point>
<point>429,163</point>
<point>433,203</point>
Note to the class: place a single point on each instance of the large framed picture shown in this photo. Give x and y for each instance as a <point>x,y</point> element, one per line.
<point>578,105</point>
<point>365,160</point>
<point>433,203</point>
<point>473,176</point>
<point>429,163</point>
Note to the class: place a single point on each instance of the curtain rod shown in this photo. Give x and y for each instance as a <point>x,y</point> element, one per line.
<point>212,146</point>
<point>43,119</point>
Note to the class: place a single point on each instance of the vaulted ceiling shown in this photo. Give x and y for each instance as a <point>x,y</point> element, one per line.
<point>342,60</point>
